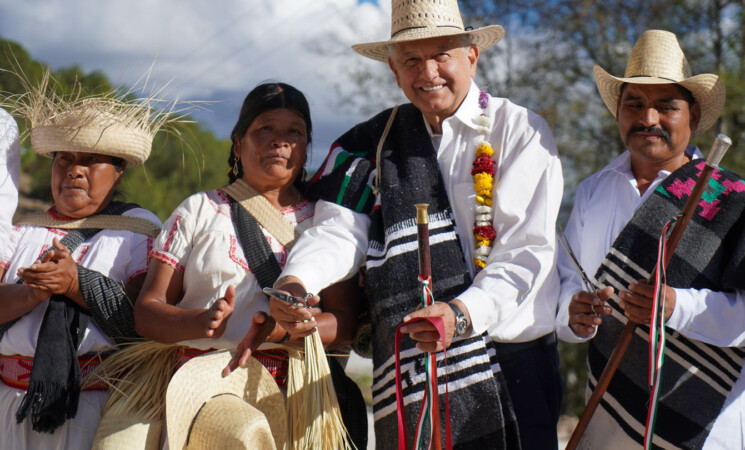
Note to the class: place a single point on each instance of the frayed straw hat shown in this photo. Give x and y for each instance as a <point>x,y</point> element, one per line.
<point>113,123</point>
<point>206,411</point>
<point>658,59</point>
<point>412,20</point>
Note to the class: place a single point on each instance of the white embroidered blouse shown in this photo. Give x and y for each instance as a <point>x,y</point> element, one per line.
<point>199,240</point>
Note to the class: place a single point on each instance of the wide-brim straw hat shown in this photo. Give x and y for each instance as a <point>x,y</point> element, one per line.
<point>88,128</point>
<point>658,59</point>
<point>413,20</point>
<point>113,123</point>
<point>243,410</point>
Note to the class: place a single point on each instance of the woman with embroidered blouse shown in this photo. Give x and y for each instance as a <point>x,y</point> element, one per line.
<point>202,290</point>
<point>68,274</point>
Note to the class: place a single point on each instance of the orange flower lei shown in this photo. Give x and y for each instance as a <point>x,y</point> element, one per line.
<point>483,183</point>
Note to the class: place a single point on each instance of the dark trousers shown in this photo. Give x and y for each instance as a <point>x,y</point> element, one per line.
<point>534,384</point>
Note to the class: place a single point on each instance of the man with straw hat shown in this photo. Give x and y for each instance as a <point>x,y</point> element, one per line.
<point>490,173</point>
<point>614,228</point>
<point>68,274</point>
<point>10,165</point>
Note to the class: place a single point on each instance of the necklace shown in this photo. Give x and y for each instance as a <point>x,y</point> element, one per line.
<point>483,183</point>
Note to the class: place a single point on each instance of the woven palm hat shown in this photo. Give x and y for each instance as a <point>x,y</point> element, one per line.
<point>243,410</point>
<point>127,432</point>
<point>113,123</point>
<point>658,59</point>
<point>413,20</point>
<point>93,127</point>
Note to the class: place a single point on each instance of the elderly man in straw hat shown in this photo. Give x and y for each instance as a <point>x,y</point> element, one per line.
<point>68,273</point>
<point>10,165</point>
<point>614,227</point>
<point>490,173</point>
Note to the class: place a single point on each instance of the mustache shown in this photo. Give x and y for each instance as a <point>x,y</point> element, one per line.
<point>659,131</point>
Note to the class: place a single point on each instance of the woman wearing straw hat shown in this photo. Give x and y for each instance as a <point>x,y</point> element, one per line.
<point>68,274</point>
<point>220,248</point>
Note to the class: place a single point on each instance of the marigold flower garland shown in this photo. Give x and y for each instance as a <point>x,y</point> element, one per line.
<point>483,183</point>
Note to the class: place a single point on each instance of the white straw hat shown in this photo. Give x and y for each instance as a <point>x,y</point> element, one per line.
<point>658,59</point>
<point>205,410</point>
<point>92,129</point>
<point>113,123</point>
<point>412,20</point>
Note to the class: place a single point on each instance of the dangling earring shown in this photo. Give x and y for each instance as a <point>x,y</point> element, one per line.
<point>235,166</point>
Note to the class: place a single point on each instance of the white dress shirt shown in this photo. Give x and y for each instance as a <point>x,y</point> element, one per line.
<point>603,205</point>
<point>10,166</point>
<point>515,296</point>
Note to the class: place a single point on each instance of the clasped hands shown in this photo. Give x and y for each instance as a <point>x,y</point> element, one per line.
<point>586,308</point>
<point>55,273</point>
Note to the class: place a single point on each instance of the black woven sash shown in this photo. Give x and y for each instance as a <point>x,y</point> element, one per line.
<point>258,253</point>
<point>696,377</point>
<point>266,269</point>
<point>410,174</point>
<point>54,385</point>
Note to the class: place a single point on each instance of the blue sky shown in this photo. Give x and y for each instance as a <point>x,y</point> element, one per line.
<point>215,51</point>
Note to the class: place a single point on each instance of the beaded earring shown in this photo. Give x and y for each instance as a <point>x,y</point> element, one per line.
<point>235,166</point>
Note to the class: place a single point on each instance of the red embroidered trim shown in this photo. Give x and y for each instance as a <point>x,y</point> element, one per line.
<point>43,250</point>
<point>15,370</point>
<point>171,234</point>
<point>56,216</point>
<point>58,231</point>
<point>166,258</point>
<point>238,260</point>
<point>83,250</point>
<point>223,207</point>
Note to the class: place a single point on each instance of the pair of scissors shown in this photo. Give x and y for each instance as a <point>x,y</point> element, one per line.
<point>293,300</point>
<point>568,249</point>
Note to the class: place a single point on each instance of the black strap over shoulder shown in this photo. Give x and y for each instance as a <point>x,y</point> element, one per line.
<point>258,253</point>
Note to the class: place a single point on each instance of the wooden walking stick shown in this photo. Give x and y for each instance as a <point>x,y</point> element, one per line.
<point>431,400</point>
<point>718,149</point>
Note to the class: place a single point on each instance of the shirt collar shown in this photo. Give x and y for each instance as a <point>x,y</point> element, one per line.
<point>622,164</point>
<point>467,111</point>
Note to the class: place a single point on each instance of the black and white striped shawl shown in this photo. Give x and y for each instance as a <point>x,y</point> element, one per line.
<point>696,377</point>
<point>410,174</point>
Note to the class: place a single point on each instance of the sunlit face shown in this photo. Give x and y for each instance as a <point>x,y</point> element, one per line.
<point>656,120</point>
<point>273,149</point>
<point>83,183</point>
<point>435,74</point>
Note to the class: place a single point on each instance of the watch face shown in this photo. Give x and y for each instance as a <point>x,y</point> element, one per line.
<point>461,326</point>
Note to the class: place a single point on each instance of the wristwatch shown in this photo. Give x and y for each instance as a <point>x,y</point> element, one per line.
<point>461,323</point>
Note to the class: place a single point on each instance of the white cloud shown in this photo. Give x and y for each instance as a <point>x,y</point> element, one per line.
<point>216,50</point>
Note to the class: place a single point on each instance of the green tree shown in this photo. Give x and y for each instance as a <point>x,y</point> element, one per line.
<point>187,160</point>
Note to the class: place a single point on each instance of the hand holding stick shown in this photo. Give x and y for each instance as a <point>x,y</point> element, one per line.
<point>718,149</point>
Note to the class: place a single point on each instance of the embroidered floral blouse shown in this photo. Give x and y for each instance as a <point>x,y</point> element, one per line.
<point>199,240</point>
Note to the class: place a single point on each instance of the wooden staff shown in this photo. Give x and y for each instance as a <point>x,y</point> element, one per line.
<point>422,238</point>
<point>425,272</point>
<point>718,149</point>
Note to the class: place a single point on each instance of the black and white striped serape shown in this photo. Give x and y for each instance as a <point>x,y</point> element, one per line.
<point>479,402</point>
<point>696,377</point>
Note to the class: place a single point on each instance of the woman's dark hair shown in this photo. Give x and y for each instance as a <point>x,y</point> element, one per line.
<point>261,99</point>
